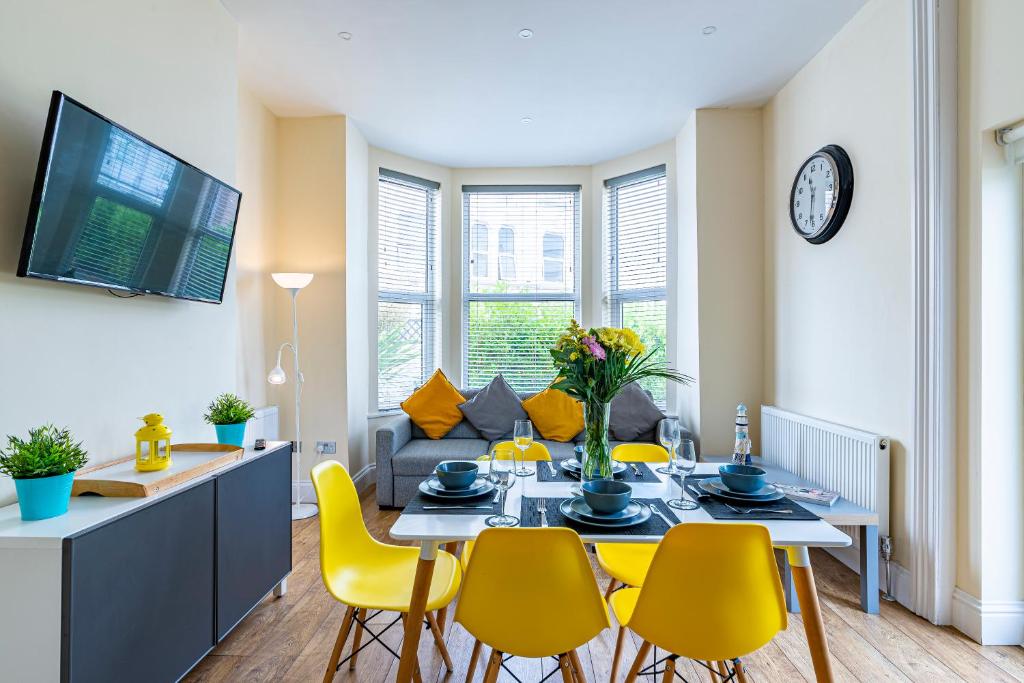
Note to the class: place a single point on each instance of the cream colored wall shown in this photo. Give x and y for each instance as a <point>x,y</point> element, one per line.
<point>311,214</point>
<point>255,246</point>
<point>839,316</point>
<point>990,282</point>
<point>76,355</point>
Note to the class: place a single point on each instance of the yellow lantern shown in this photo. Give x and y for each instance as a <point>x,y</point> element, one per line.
<point>153,444</point>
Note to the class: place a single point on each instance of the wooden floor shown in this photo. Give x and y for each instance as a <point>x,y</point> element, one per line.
<point>290,638</point>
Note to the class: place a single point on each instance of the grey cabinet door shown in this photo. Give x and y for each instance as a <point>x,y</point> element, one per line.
<point>138,592</point>
<point>254,535</point>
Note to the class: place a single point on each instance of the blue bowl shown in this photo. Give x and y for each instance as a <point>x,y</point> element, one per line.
<point>743,478</point>
<point>456,475</point>
<point>607,496</point>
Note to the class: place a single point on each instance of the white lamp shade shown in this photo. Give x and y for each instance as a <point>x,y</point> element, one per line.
<point>292,280</point>
<point>277,376</point>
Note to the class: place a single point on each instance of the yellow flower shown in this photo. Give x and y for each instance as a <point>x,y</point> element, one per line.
<point>574,356</point>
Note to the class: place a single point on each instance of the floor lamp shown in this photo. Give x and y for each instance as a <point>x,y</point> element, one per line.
<point>293,282</point>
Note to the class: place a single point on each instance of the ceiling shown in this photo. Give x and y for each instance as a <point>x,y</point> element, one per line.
<point>450,81</point>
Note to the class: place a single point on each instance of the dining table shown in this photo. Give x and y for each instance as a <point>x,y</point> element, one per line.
<point>433,529</point>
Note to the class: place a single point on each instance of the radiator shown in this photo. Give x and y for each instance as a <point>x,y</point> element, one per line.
<point>853,462</point>
<point>262,425</point>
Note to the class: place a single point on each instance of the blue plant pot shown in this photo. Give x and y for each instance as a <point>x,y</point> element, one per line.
<point>232,435</point>
<point>44,497</point>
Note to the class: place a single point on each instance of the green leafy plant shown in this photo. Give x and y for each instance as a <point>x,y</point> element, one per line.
<point>47,453</point>
<point>228,409</point>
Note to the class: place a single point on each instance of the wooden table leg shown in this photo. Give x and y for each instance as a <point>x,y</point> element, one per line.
<point>442,614</point>
<point>417,608</point>
<point>810,611</point>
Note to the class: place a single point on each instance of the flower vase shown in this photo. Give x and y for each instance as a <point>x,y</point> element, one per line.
<point>597,455</point>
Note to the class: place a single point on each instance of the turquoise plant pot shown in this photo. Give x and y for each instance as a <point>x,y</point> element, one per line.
<point>44,497</point>
<point>232,435</point>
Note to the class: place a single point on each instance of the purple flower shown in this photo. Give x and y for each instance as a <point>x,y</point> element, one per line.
<point>596,350</point>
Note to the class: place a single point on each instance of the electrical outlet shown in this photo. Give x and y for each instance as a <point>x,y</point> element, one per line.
<point>326,447</point>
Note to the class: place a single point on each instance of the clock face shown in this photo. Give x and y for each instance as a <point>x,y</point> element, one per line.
<point>821,194</point>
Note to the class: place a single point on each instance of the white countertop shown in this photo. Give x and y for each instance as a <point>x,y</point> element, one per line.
<point>443,528</point>
<point>85,512</point>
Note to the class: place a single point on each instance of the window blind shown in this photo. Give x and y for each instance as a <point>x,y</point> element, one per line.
<point>521,280</point>
<point>635,276</point>
<point>407,290</point>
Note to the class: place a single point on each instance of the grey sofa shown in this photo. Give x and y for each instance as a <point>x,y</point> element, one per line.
<point>405,456</point>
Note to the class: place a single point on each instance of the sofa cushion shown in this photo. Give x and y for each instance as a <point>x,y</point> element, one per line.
<point>634,416</point>
<point>557,416</point>
<point>419,457</point>
<point>494,409</point>
<point>434,407</point>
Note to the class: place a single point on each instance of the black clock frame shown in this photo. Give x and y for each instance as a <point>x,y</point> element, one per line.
<point>844,169</point>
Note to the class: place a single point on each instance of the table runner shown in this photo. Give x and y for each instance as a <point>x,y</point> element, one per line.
<point>718,510</point>
<point>655,526</point>
<point>647,475</point>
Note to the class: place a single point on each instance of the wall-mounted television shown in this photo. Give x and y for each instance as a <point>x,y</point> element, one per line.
<point>112,210</point>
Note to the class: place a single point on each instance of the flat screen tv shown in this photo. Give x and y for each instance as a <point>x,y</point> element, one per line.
<point>111,210</point>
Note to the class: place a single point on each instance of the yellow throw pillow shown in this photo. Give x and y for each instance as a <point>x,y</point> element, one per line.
<point>434,407</point>
<point>558,416</point>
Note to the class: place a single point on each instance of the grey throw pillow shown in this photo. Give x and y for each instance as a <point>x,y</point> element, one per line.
<point>634,415</point>
<point>494,410</point>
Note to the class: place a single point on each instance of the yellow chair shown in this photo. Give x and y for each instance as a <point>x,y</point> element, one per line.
<point>367,575</point>
<point>627,563</point>
<point>712,594</point>
<point>548,606</point>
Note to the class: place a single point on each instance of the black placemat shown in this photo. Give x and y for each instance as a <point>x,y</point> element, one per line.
<point>719,510</point>
<point>647,475</point>
<point>415,506</point>
<point>655,526</point>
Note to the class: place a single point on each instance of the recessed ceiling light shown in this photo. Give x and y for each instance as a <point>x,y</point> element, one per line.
<point>345,35</point>
<point>526,33</point>
<point>526,120</point>
<point>708,30</point>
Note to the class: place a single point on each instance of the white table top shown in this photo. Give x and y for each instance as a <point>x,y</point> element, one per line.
<point>449,527</point>
<point>85,512</point>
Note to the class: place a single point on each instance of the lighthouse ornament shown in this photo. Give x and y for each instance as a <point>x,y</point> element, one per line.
<point>741,451</point>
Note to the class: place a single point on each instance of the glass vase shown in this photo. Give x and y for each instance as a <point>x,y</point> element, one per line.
<point>597,455</point>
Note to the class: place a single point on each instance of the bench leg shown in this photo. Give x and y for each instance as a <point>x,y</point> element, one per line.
<point>786,574</point>
<point>869,568</point>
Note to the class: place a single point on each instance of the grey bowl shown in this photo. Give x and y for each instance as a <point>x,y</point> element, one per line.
<point>743,478</point>
<point>456,475</point>
<point>607,496</point>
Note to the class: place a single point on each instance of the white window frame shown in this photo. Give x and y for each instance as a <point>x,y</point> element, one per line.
<point>429,301</point>
<point>576,296</point>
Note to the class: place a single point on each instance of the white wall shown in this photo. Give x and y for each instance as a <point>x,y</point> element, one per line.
<point>75,355</point>
<point>839,316</point>
<point>357,296</point>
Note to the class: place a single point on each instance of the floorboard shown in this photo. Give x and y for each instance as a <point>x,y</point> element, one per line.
<point>290,638</point>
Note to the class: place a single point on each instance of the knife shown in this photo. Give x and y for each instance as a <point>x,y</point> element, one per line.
<point>458,507</point>
<point>697,495</point>
<point>551,468</point>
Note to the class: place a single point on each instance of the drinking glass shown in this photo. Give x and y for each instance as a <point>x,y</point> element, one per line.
<point>501,471</point>
<point>523,439</point>
<point>685,462</point>
<point>668,435</point>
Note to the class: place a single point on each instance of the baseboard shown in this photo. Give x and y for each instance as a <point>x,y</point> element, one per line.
<point>363,479</point>
<point>989,622</point>
<point>850,556</point>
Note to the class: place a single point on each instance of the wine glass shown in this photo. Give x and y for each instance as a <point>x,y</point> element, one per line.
<point>668,435</point>
<point>685,462</point>
<point>523,438</point>
<point>501,471</point>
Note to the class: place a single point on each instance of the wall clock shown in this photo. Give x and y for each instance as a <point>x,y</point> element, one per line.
<point>821,194</point>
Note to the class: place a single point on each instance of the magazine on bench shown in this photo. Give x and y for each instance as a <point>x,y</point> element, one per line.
<point>806,494</point>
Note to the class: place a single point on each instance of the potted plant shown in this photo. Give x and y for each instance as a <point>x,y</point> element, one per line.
<point>593,366</point>
<point>228,414</point>
<point>43,469</point>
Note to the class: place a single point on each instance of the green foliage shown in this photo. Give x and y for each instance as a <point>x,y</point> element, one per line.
<point>228,409</point>
<point>48,452</point>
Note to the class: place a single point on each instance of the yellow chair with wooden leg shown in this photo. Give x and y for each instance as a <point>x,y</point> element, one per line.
<point>712,594</point>
<point>548,606</point>
<point>368,576</point>
<point>627,563</point>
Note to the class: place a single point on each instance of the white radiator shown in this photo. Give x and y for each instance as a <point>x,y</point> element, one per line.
<point>262,425</point>
<point>853,462</point>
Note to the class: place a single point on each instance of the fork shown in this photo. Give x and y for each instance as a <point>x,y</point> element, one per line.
<point>662,515</point>
<point>748,511</point>
<point>636,470</point>
<point>542,508</point>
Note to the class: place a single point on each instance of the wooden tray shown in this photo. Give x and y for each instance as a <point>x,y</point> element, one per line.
<point>120,479</point>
